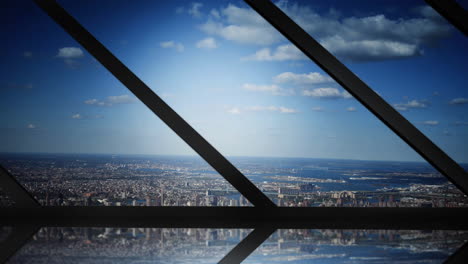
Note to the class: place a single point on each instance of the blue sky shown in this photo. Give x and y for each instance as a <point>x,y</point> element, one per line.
<point>236,80</point>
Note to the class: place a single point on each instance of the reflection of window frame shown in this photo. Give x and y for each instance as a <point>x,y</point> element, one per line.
<point>342,75</point>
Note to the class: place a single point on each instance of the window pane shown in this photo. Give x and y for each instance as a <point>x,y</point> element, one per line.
<point>358,246</point>
<point>405,51</point>
<point>129,245</point>
<point>74,135</point>
<point>277,116</point>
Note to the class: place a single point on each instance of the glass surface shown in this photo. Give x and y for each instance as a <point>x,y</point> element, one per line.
<point>128,245</point>
<point>276,115</point>
<point>73,135</point>
<point>358,246</point>
<point>405,51</point>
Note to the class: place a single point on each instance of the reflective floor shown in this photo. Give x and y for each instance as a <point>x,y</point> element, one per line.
<point>209,245</point>
<point>358,246</point>
<point>128,245</point>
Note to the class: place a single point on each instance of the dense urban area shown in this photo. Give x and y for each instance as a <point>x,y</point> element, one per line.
<point>110,180</point>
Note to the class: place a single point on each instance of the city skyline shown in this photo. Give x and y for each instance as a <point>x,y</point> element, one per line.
<point>247,96</point>
<point>113,180</point>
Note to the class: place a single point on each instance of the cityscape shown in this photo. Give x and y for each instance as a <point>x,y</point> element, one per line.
<point>149,180</point>
<point>188,245</point>
<point>74,135</point>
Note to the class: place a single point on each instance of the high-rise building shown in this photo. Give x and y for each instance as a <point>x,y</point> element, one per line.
<point>148,200</point>
<point>162,197</point>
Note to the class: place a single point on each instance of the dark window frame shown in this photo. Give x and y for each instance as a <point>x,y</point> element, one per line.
<point>265,216</point>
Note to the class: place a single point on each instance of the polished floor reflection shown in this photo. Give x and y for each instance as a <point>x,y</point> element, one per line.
<point>358,246</point>
<point>208,245</point>
<point>128,245</point>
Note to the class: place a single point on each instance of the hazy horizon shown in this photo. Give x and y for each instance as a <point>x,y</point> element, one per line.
<point>198,156</point>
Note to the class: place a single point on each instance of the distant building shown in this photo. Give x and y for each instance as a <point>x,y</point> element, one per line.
<point>157,201</point>
<point>343,195</point>
<point>162,197</point>
<point>307,187</point>
<point>288,191</point>
<point>148,200</point>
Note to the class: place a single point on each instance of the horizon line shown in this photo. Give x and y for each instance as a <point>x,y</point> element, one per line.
<point>227,156</point>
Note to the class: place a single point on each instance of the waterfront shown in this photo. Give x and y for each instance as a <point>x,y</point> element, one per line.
<point>141,180</point>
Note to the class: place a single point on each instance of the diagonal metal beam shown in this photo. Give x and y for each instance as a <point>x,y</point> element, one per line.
<point>18,237</point>
<point>453,12</point>
<point>460,256</point>
<point>248,245</point>
<point>363,93</point>
<point>17,193</point>
<point>156,104</point>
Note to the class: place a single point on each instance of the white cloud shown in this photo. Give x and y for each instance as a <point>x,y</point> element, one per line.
<point>111,100</point>
<point>239,34</point>
<point>273,89</point>
<point>430,123</point>
<point>31,126</point>
<point>278,109</point>
<point>79,116</point>
<point>317,109</point>
<point>374,37</point>
<point>369,50</point>
<point>411,105</point>
<point>261,108</point>
<point>282,53</point>
<point>351,109</point>
<point>427,11</point>
<point>354,38</point>
<point>304,78</point>
<point>195,10</point>
<point>208,43</point>
<point>459,101</point>
<point>286,110</point>
<point>70,53</point>
<point>234,110</point>
<point>120,99</point>
<point>76,116</point>
<point>91,101</point>
<point>215,13</point>
<point>241,25</point>
<point>172,45</point>
<point>327,93</point>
